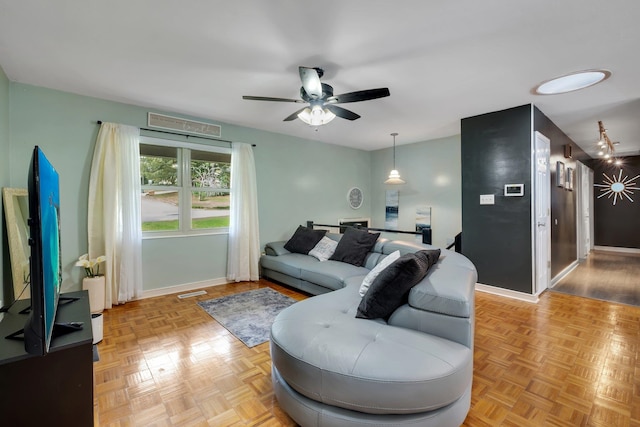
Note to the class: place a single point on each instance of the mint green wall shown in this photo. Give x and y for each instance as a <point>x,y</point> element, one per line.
<point>433,175</point>
<point>302,180</point>
<point>4,178</point>
<point>297,180</point>
<point>4,129</point>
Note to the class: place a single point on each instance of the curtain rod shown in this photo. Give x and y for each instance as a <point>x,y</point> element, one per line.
<point>184,134</point>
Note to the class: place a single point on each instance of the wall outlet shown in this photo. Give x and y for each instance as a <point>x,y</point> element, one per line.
<point>487,199</point>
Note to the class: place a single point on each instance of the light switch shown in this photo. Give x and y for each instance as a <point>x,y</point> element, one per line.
<point>487,199</point>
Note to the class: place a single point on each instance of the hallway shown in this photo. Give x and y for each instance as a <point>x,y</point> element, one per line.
<point>605,275</point>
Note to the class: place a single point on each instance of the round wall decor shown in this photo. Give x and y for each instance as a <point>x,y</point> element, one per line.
<point>354,197</point>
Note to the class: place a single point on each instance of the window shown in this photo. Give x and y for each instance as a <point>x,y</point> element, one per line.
<point>185,187</point>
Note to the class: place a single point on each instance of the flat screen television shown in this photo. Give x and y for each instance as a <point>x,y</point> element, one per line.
<point>45,263</point>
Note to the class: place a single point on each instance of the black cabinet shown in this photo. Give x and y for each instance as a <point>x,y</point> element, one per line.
<point>54,389</point>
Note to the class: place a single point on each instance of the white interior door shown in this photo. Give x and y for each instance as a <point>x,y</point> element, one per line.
<point>584,212</point>
<point>542,209</point>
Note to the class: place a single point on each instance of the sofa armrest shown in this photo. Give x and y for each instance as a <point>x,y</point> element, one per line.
<point>275,248</point>
<point>448,288</point>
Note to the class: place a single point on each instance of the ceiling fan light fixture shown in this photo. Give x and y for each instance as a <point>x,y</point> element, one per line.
<point>316,116</point>
<point>570,82</point>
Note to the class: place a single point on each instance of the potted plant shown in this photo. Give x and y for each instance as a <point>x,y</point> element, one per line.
<point>94,281</point>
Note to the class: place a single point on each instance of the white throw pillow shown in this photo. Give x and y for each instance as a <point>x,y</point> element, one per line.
<point>368,280</point>
<point>324,249</point>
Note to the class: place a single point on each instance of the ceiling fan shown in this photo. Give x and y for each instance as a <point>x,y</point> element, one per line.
<point>322,106</point>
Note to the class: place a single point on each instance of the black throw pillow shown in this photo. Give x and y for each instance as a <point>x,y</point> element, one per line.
<point>354,246</point>
<point>304,239</point>
<point>391,288</point>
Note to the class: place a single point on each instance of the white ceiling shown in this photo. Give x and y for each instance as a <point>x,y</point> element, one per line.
<point>442,60</point>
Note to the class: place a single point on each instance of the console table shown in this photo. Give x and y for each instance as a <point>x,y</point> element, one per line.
<point>54,389</point>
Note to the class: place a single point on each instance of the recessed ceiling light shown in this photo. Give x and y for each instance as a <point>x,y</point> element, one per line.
<point>571,82</point>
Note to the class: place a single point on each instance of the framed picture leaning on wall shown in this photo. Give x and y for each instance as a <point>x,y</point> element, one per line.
<point>560,174</point>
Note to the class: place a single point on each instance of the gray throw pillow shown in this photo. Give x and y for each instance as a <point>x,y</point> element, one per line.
<point>324,249</point>
<point>354,246</point>
<point>304,239</point>
<point>370,277</point>
<point>391,288</point>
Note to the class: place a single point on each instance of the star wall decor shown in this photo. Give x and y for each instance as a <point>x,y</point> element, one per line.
<point>616,187</point>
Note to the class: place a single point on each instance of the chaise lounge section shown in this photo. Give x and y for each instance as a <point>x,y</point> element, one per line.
<point>411,368</point>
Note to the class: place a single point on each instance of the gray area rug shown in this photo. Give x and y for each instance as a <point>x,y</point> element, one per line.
<point>248,315</point>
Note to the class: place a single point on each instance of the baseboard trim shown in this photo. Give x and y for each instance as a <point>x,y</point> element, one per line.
<point>558,277</point>
<point>507,293</point>
<point>617,249</point>
<point>186,287</point>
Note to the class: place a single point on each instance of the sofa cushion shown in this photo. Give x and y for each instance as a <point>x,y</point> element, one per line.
<point>304,239</point>
<point>290,264</point>
<point>390,289</point>
<point>328,355</point>
<point>324,249</point>
<point>354,246</point>
<point>331,274</point>
<point>369,278</point>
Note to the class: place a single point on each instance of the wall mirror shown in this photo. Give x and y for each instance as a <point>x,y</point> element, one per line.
<point>16,211</point>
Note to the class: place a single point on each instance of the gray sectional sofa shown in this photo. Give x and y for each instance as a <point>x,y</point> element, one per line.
<point>414,368</point>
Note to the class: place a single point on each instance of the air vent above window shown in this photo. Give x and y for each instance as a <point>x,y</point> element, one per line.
<point>161,121</point>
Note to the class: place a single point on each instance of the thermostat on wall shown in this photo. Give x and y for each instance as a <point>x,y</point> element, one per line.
<point>512,190</point>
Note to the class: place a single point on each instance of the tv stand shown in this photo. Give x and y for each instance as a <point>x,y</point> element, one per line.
<point>62,300</point>
<point>60,329</point>
<point>56,387</point>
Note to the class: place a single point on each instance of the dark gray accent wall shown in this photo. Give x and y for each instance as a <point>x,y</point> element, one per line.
<point>616,225</point>
<point>496,150</point>
<point>563,201</point>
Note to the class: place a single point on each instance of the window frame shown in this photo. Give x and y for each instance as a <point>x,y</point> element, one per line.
<point>185,188</point>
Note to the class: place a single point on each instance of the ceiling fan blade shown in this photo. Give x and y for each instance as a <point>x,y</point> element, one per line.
<point>294,115</point>
<point>342,112</point>
<point>311,81</point>
<point>268,98</point>
<point>360,95</point>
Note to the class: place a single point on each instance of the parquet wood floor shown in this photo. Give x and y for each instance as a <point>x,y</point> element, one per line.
<point>566,361</point>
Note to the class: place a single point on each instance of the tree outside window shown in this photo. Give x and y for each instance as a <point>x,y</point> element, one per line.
<point>185,188</point>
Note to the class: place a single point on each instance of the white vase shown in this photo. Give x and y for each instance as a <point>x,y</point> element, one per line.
<point>95,286</point>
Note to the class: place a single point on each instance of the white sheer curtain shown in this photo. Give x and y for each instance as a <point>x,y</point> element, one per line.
<point>114,211</point>
<point>244,235</point>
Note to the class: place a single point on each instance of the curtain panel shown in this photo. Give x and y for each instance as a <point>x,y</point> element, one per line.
<point>114,211</point>
<point>244,235</point>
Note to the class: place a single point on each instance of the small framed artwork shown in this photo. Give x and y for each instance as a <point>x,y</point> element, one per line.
<point>560,178</point>
<point>569,179</point>
<point>391,210</point>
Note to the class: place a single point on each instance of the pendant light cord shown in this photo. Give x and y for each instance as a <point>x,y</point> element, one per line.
<point>394,134</point>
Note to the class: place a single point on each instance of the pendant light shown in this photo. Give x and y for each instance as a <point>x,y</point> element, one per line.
<point>394,175</point>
